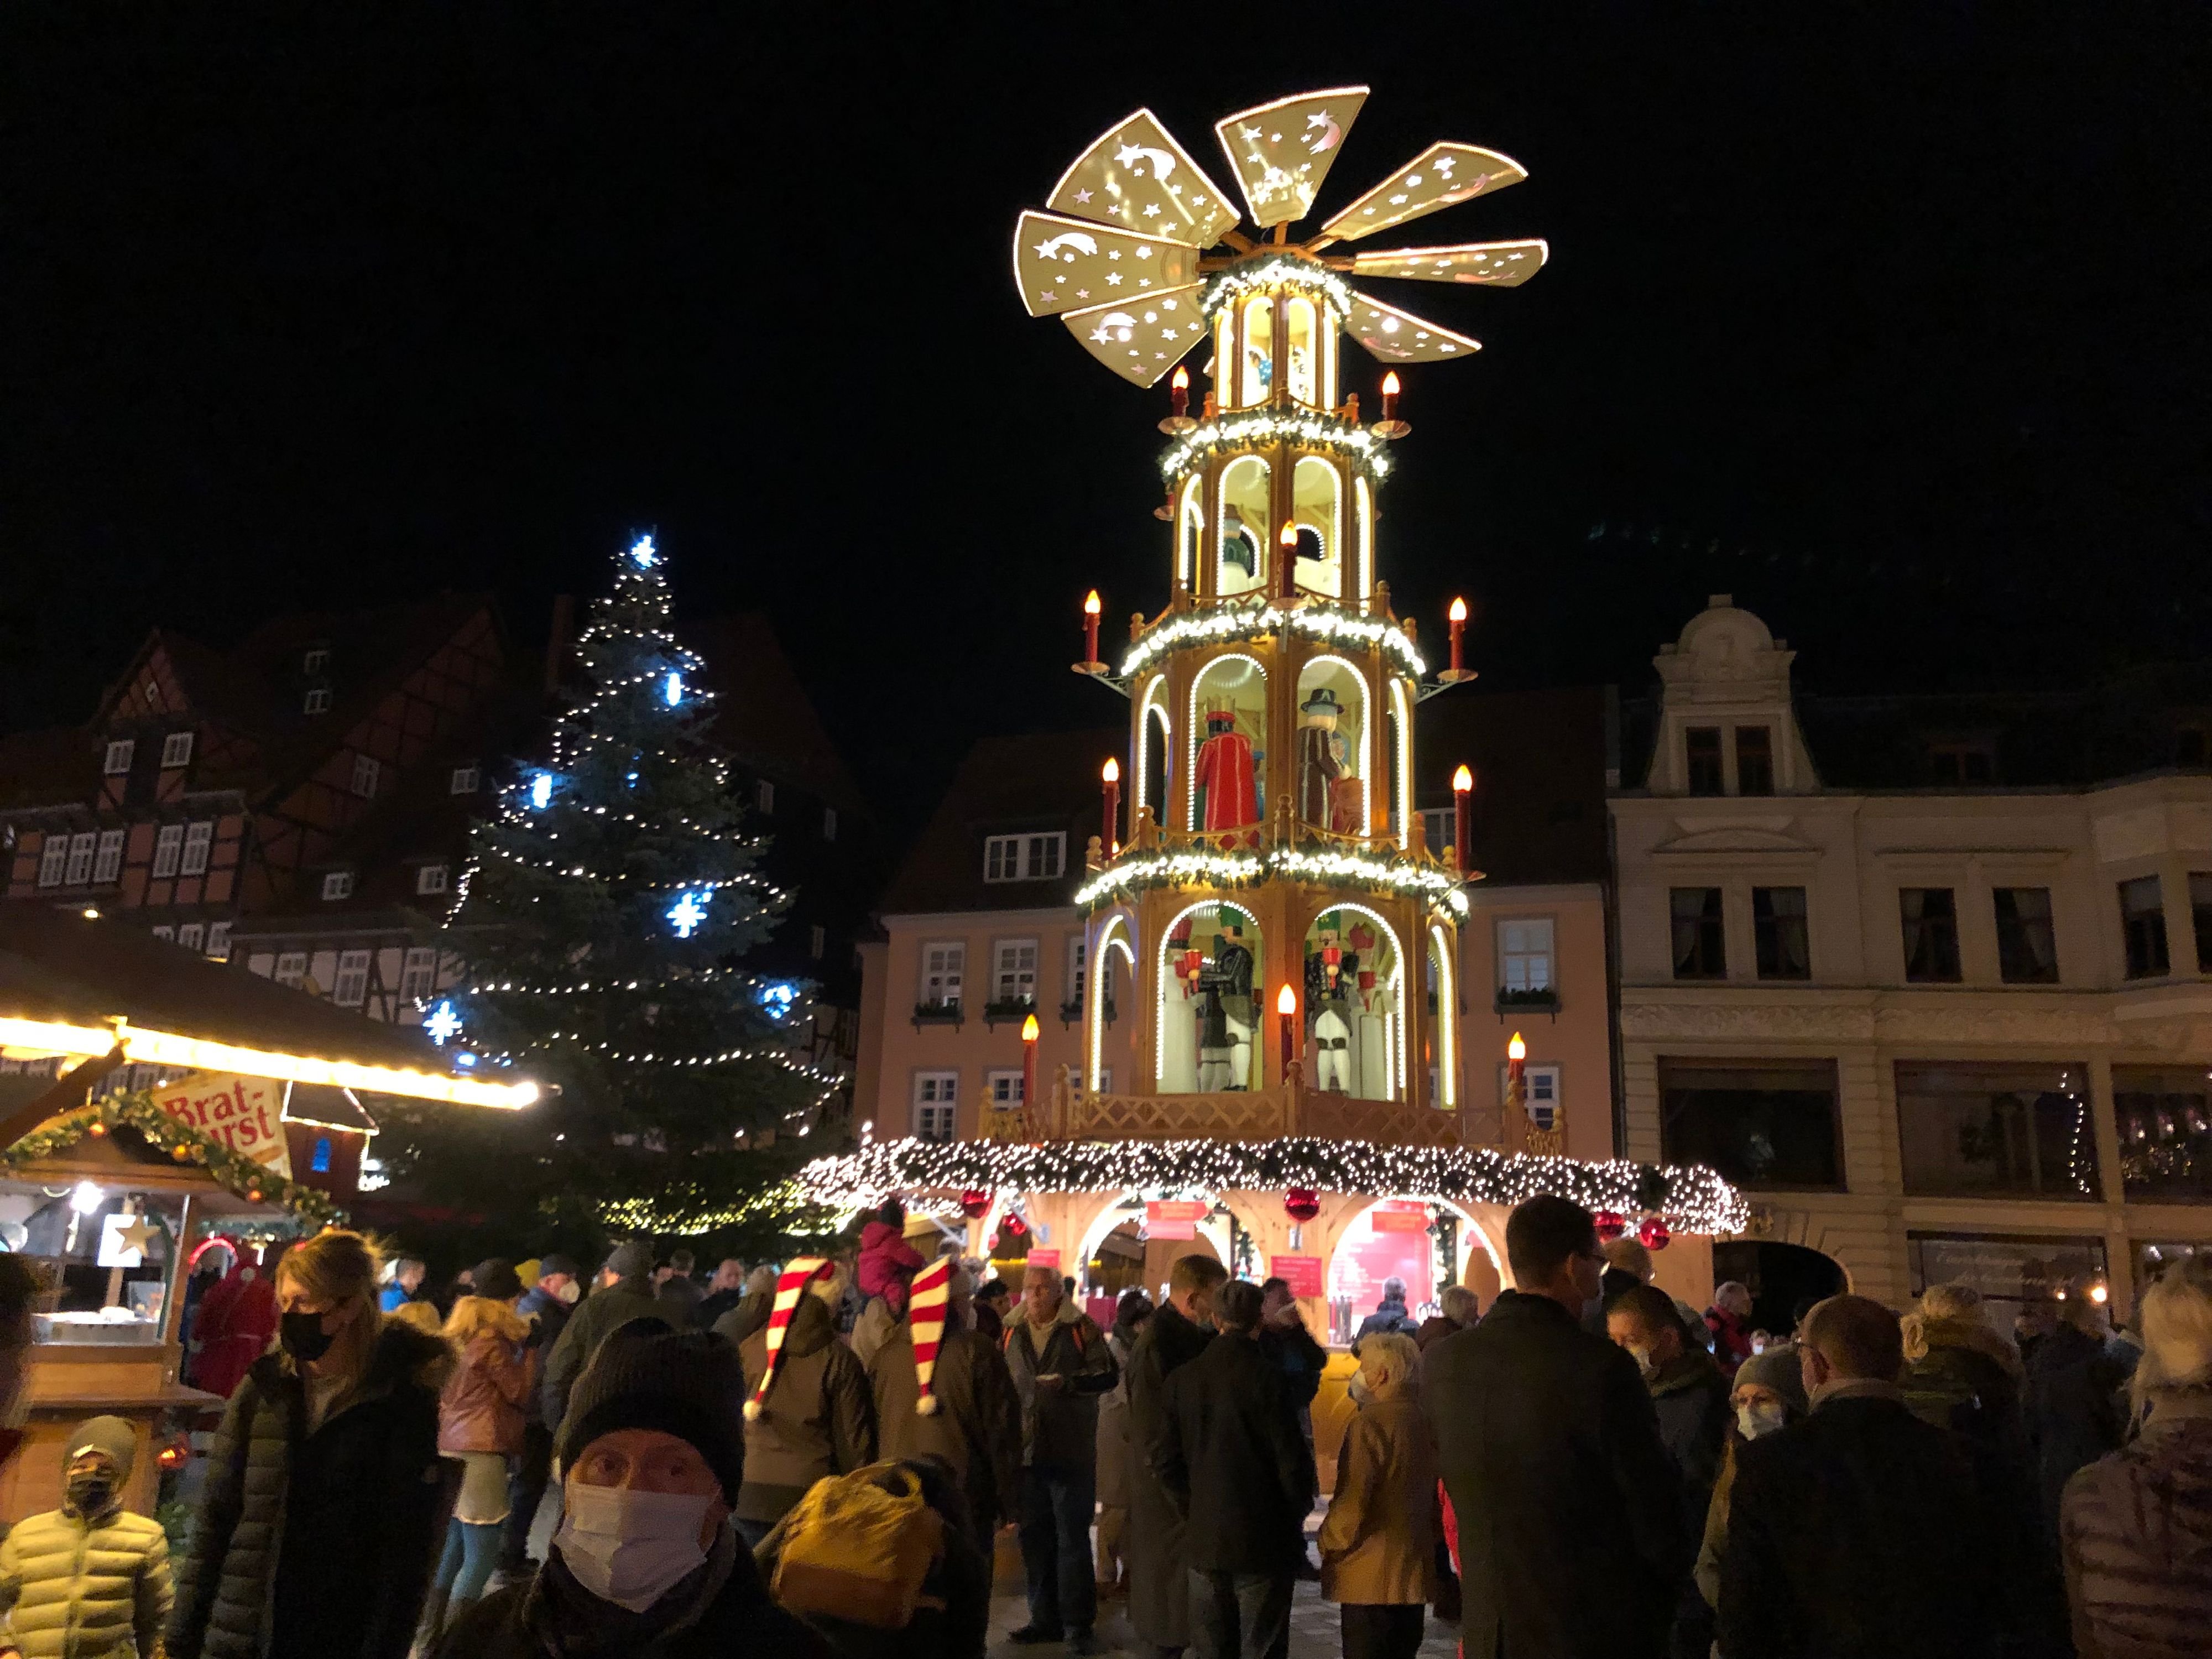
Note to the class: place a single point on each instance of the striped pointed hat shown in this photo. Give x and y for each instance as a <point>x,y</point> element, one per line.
<point>788,1289</point>
<point>926,1305</point>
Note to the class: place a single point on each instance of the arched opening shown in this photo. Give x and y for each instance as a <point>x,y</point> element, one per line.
<point>1154,746</point>
<point>1227,727</point>
<point>1355,1004</point>
<point>1247,522</point>
<point>1113,941</point>
<point>1427,1243</point>
<point>1209,964</point>
<point>1332,752</point>
<point>1299,331</point>
<point>1255,376</point>
<point>1443,1029</point>
<point>1401,765</point>
<point>1781,1278</point>
<point>1316,508</point>
<point>1123,1250</point>
<point>1190,528</point>
<point>1363,536</point>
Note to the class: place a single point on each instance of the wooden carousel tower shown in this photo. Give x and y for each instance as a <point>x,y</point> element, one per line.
<point>1269,912</point>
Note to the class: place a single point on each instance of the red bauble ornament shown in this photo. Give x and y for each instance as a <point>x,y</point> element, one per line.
<point>975,1204</point>
<point>1301,1204</point>
<point>1013,1227</point>
<point>1610,1223</point>
<point>1653,1234</point>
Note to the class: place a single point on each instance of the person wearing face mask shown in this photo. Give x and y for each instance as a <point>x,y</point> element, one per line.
<point>645,1563</point>
<point>546,1305</point>
<point>1769,1395</point>
<point>324,1499</point>
<point>1549,1448</point>
<point>1692,1399</point>
<point>89,1579</point>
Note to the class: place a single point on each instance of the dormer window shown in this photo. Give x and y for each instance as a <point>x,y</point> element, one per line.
<point>337,885</point>
<point>318,701</point>
<point>1754,760</point>
<point>1025,858</point>
<point>464,781</point>
<point>1702,753</point>
<point>317,661</point>
<point>176,750</point>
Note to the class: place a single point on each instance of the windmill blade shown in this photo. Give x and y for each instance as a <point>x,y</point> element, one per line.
<point>1066,265</point>
<point>1400,336</point>
<point>1282,151</point>
<point>1488,265</point>
<point>1140,339</point>
<point>1135,177</point>
<point>1441,176</point>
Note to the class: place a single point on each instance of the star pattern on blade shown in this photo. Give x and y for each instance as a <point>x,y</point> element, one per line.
<point>1141,336</point>
<point>1490,265</point>
<point>1135,172</point>
<point>1281,152</point>
<point>1057,260</point>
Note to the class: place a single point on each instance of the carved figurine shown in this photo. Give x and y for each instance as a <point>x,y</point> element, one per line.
<point>1225,778</point>
<point>1318,769</point>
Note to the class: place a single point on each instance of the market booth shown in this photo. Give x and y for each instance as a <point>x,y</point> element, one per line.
<point>145,1118</point>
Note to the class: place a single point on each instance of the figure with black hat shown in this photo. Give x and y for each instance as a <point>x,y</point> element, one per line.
<point>646,1562</point>
<point>1318,765</point>
<point>622,1292</point>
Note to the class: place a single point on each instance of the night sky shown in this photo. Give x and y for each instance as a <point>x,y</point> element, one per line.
<point>1891,319</point>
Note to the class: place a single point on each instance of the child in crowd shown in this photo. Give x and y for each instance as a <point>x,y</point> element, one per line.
<point>89,1578</point>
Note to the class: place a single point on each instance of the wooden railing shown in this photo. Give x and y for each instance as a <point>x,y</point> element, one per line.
<point>1268,1113</point>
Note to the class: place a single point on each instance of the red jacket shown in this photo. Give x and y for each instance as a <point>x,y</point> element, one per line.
<point>480,1409</point>
<point>1731,1342</point>
<point>887,1264</point>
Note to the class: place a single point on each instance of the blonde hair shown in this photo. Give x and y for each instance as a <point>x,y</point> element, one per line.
<point>472,1314</point>
<point>2176,1330</point>
<point>422,1315</point>
<point>1390,1350</point>
<point>1938,1302</point>
<point>336,1265</point>
<point>1627,1255</point>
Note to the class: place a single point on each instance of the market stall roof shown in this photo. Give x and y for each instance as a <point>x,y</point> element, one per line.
<point>78,984</point>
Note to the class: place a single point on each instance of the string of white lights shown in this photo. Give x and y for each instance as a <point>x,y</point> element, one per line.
<point>1308,428</point>
<point>1241,622</point>
<point>1142,869</point>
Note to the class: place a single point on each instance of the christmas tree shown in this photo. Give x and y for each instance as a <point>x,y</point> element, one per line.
<point>603,917</point>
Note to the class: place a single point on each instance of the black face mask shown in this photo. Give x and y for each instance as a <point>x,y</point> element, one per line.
<point>89,1494</point>
<point>304,1337</point>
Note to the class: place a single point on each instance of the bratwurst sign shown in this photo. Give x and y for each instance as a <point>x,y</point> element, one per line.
<point>245,1113</point>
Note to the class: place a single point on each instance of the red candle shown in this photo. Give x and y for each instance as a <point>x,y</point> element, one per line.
<point>1286,1015</point>
<point>1179,391</point>
<point>1029,1064</point>
<point>1516,1064</point>
<point>1463,817</point>
<point>1110,775</point>
<point>1390,396</point>
<point>1287,540</point>
<point>1458,627</point>
<point>1091,627</point>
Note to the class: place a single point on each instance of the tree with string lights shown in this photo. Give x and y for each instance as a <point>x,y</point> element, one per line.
<point>603,917</point>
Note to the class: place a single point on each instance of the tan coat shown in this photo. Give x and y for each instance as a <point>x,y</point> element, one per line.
<point>78,1591</point>
<point>819,1417</point>
<point>1378,1543</point>
<point>976,1427</point>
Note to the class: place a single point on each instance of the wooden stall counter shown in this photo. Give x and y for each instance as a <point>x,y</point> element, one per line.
<point>70,1382</point>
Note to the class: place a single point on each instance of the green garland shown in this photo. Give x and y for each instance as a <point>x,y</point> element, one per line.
<point>135,1109</point>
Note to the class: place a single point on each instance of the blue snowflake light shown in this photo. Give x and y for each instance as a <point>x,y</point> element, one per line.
<point>674,689</point>
<point>778,998</point>
<point>443,1024</point>
<point>643,553</point>
<point>541,791</point>
<point>686,914</point>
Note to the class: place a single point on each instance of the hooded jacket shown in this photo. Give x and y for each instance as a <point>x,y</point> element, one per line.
<point>320,1542</point>
<point>976,1427</point>
<point>818,1418</point>
<point>482,1407</point>
<point>1060,1425</point>
<point>83,1586</point>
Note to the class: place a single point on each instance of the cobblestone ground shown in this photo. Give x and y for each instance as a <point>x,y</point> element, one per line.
<point>1315,1632</point>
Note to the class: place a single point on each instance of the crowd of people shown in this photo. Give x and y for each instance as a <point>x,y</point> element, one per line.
<point>819,1458</point>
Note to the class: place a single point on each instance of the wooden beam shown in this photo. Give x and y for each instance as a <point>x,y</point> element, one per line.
<point>67,1090</point>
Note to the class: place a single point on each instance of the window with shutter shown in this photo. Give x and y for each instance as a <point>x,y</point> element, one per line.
<point>198,837</point>
<point>168,849</point>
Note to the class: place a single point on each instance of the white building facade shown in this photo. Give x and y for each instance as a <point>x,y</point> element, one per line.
<point>1958,1030</point>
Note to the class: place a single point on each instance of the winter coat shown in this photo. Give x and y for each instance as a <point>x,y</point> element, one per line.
<point>1390,1314</point>
<point>1153,1545</point>
<point>1237,1467</point>
<point>1379,1542</point>
<point>976,1427</point>
<point>594,1319</point>
<point>1690,1398</point>
<point>552,1617</point>
<point>2135,1529</point>
<point>1857,1534</point>
<point>873,1328</point>
<point>886,1265</point>
<point>713,1305</point>
<point>74,1588</point>
<point>749,1315</point>
<point>481,1408</point>
<point>236,1321</point>
<point>1729,1342</point>
<point>819,1417</point>
<point>2072,1412</point>
<point>319,1543</point>
<point>1292,1351</point>
<point>1968,1381</point>
<point>1060,1425</point>
<point>1548,1442</point>
<point>1111,1482</point>
<point>550,1314</point>
<point>679,1299</point>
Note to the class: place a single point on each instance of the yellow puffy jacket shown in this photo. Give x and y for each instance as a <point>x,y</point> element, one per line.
<point>71,1590</point>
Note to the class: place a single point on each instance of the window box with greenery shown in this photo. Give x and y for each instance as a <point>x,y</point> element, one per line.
<point>1527,998</point>
<point>1008,1008</point>
<point>938,1014</point>
<point>1071,1012</point>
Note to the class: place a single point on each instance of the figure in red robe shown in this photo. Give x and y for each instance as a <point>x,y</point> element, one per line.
<point>1230,794</point>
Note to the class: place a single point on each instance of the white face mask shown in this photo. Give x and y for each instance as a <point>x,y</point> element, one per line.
<point>631,1547</point>
<point>570,1293</point>
<point>1759,1417</point>
<point>1646,1362</point>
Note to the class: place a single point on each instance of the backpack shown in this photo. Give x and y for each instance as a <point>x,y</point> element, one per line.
<point>855,1551</point>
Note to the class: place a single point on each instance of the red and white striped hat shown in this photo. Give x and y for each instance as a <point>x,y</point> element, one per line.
<point>788,1289</point>
<point>926,1303</point>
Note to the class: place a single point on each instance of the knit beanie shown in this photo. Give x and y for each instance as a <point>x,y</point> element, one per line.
<point>1776,1368</point>
<point>110,1435</point>
<point>686,1383</point>
<point>788,1289</point>
<point>495,1277</point>
<point>926,1324</point>
<point>630,1260</point>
